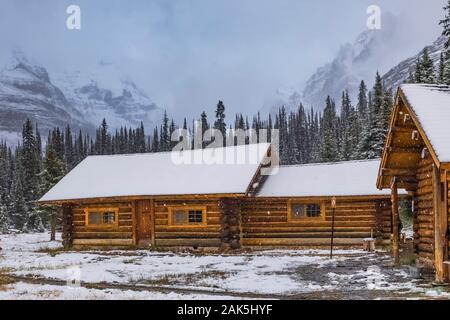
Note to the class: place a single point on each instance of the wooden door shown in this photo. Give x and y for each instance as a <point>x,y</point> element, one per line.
<point>144,222</point>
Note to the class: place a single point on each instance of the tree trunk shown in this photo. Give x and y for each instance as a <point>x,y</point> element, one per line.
<point>53,226</point>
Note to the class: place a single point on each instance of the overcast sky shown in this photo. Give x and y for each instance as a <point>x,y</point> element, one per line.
<point>187,54</point>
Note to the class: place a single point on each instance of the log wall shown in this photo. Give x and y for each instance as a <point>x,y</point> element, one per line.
<point>197,236</point>
<point>448,213</point>
<point>424,222</point>
<point>89,236</point>
<point>265,223</point>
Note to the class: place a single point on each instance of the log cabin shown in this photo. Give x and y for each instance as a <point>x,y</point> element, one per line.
<point>296,207</point>
<point>154,200</point>
<point>416,158</point>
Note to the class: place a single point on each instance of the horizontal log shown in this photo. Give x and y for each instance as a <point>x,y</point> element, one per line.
<point>301,224</point>
<point>389,172</point>
<point>300,242</point>
<point>326,229</point>
<point>103,242</point>
<point>103,235</point>
<point>171,229</point>
<point>188,242</point>
<point>405,150</point>
<point>426,233</point>
<point>308,235</point>
<point>92,229</point>
<point>187,235</point>
<point>426,248</point>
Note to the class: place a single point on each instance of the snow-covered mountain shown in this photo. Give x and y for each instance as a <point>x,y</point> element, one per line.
<point>27,90</point>
<point>105,93</point>
<point>400,73</point>
<point>354,62</point>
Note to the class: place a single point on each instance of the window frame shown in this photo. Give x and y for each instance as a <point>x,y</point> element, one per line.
<point>292,219</point>
<point>187,208</point>
<point>113,226</point>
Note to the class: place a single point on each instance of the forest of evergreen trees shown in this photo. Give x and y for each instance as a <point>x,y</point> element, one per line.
<point>355,130</point>
<point>31,168</point>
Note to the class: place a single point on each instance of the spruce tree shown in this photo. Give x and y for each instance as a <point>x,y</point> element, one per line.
<point>220,124</point>
<point>348,131</point>
<point>427,69</point>
<point>54,170</point>
<point>30,164</point>
<point>69,155</point>
<point>329,143</point>
<point>165,135</point>
<point>418,74</point>
<point>441,74</point>
<point>445,23</point>
<point>204,126</point>
<point>20,210</point>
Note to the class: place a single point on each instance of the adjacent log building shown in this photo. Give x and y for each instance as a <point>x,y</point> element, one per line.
<point>294,207</point>
<point>189,199</point>
<point>417,159</point>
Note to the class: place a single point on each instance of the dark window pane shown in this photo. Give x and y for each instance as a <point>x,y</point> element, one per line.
<point>109,218</point>
<point>195,216</point>
<point>95,218</point>
<point>179,217</point>
<point>298,211</point>
<point>313,210</point>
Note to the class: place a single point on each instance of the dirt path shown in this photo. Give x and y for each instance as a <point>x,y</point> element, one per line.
<point>321,295</point>
<point>150,288</point>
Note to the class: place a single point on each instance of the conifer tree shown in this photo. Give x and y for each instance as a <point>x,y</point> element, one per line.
<point>418,74</point>
<point>441,74</point>
<point>54,170</point>
<point>30,163</point>
<point>427,69</point>
<point>445,23</point>
<point>328,147</point>
<point>165,135</point>
<point>220,124</point>
<point>20,210</point>
<point>204,126</point>
<point>348,122</point>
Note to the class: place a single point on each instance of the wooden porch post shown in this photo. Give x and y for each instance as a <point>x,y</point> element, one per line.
<point>440,224</point>
<point>152,223</point>
<point>395,221</point>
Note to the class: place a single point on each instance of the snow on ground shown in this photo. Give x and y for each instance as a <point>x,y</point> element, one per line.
<point>25,291</point>
<point>352,274</point>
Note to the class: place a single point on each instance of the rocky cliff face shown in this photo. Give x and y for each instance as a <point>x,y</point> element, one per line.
<point>354,62</point>
<point>28,91</point>
<point>400,73</point>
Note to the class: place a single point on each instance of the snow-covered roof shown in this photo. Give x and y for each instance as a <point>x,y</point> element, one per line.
<point>197,172</point>
<point>431,105</point>
<point>353,178</point>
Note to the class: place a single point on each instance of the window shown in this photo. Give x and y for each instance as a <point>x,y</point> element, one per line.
<point>195,216</point>
<point>109,217</point>
<point>187,216</point>
<point>99,217</point>
<point>300,211</point>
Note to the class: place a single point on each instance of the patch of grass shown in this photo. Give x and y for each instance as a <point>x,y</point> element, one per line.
<point>52,251</point>
<point>5,279</point>
<point>165,280</point>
